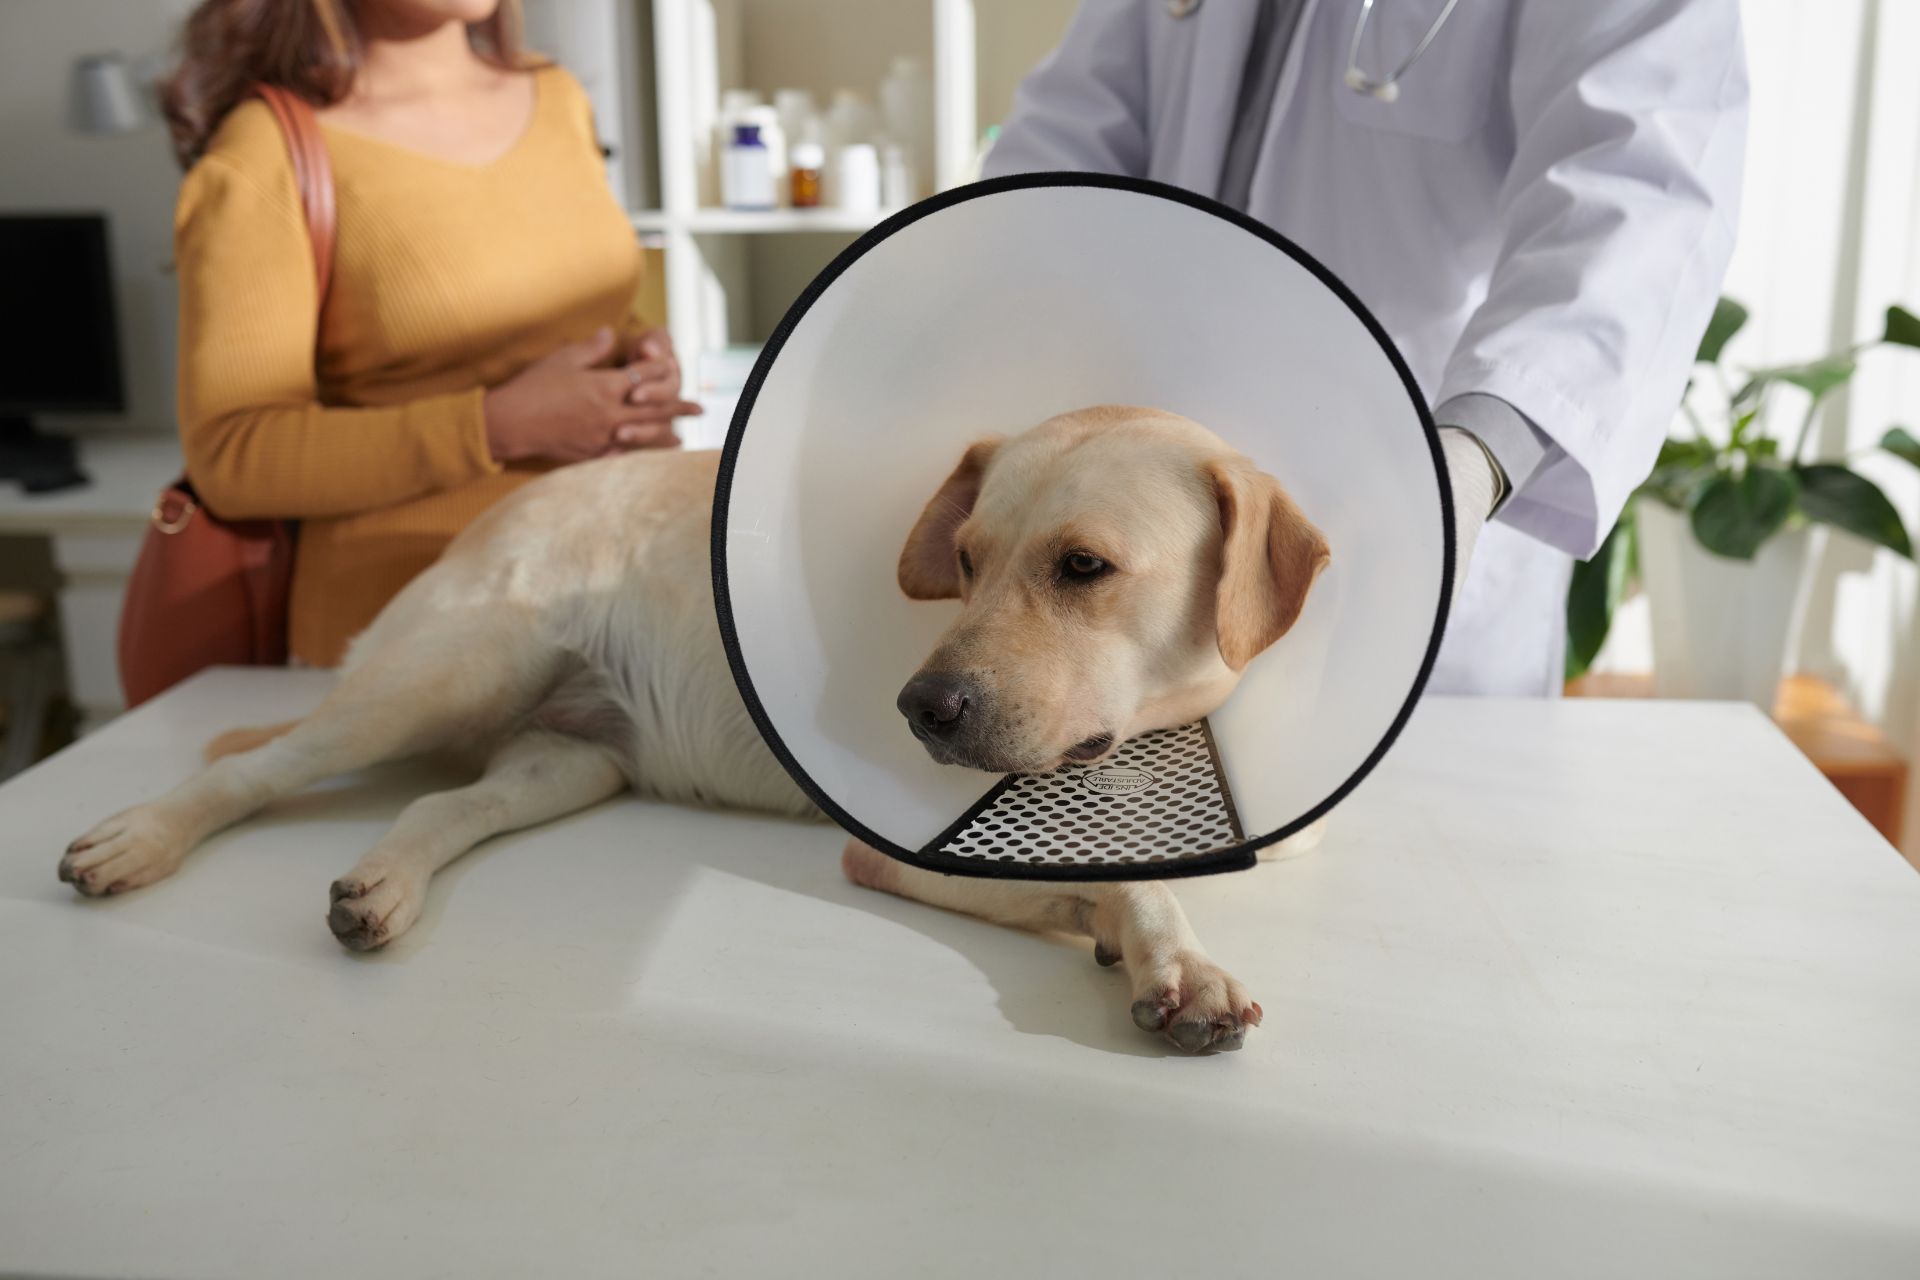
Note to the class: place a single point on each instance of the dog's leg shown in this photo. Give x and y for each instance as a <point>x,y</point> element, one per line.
<point>1300,842</point>
<point>534,777</point>
<point>454,682</point>
<point>1177,988</point>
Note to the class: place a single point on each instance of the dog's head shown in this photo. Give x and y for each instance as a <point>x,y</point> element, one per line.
<point>1118,569</point>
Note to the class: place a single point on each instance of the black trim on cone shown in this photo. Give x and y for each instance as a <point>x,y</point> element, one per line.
<point>1235,858</point>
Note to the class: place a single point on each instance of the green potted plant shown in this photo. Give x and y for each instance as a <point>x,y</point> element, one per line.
<point>1720,533</point>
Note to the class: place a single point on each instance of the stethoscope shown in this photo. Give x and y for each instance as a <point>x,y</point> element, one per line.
<point>1386,90</point>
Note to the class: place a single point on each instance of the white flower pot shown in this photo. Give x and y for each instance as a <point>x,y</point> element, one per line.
<point>1722,628</point>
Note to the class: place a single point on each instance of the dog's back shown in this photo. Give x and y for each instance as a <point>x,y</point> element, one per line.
<point>608,562</point>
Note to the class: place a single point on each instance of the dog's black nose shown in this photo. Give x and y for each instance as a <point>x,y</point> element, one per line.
<point>935,704</point>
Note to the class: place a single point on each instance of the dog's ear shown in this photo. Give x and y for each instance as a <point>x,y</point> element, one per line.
<point>928,567</point>
<point>1269,557</point>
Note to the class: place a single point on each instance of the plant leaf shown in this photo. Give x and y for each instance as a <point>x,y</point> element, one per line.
<point>1848,500</point>
<point>1599,584</point>
<point>1816,377</point>
<point>1734,515</point>
<point>1737,437</point>
<point>1728,317</point>
<point>1684,454</point>
<point>1901,444</point>
<point>1678,471</point>
<point>1903,327</point>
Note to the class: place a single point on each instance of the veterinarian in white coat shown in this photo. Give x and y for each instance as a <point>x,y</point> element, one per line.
<point>1539,208</point>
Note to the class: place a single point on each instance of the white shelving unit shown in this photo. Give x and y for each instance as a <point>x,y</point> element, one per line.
<point>696,51</point>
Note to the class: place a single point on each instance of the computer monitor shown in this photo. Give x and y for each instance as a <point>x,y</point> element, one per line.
<point>59,338</point>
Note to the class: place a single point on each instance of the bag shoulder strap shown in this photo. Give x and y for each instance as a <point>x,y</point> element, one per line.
<point>312,173</point>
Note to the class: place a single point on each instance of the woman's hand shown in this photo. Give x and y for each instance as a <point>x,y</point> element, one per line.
<point>571,406</point>
<point>654,370</point>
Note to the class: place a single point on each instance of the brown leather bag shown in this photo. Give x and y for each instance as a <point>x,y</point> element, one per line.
<point>207,591</point>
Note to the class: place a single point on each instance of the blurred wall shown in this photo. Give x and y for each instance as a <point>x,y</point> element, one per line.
<point>827,44</point>
<point>823,45</point>
<point>1011,36</point>
<point>46,167</point>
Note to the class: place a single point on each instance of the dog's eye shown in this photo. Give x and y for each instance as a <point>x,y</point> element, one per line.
<point>966,564</point>
<point>1082,566</point>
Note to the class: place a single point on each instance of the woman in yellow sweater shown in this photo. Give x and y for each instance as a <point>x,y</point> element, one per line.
<point>479,327</point>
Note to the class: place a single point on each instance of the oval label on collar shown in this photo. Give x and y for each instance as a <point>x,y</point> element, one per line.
<point>1122,781</point>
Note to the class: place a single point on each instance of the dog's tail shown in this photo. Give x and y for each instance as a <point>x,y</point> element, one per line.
<point>234,741</point>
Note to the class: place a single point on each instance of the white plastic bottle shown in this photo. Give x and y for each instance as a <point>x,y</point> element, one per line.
<point>906,107</point>
<point>897,186</point>
<point>856,178</point>
<point>774,139</point>
<point>799,118</point>
<point>746,172</point>
<point>736,107</point>
<point>734,102</point>
<point>850,120</point>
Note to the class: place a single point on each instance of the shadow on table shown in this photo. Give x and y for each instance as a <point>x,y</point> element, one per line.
<point>1046,985</point>
<point>592,895</point>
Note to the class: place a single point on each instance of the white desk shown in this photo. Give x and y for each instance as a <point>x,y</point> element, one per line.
<point>1647,1005</point>
<point>96,532</point>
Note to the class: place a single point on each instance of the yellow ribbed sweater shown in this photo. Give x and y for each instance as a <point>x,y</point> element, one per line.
<point>367,424</point>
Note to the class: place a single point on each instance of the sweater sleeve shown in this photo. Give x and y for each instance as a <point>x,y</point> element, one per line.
<point>258,442</point>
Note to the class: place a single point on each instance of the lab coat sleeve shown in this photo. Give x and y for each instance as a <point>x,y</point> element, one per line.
<point>1085,107</point>
<point>1617,217</point>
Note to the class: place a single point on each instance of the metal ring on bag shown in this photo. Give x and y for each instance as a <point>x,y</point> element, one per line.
<point>173,523</point>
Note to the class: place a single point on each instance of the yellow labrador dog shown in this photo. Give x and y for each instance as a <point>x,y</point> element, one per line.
<point>1119,567</point>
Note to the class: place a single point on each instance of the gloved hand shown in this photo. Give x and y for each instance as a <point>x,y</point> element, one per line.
<point>1476,486</point>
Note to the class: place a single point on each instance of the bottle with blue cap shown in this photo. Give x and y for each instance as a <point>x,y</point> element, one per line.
<point>746,172</point>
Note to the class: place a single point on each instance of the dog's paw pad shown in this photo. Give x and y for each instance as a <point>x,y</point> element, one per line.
<point>1105,956</point>
<point>369,911</point>
<point>1220,1035</point>
<point>1197,1005</point>
<point>1151,1015</point>
<point>355,928</point>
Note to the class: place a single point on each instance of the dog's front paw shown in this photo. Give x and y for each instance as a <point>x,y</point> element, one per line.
<point>869,868</point>
<point>132,848</point>
<point>1195,1003</point>
<point>371,908</point>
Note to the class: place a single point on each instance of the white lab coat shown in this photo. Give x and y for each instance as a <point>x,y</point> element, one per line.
<point>1544,215</point>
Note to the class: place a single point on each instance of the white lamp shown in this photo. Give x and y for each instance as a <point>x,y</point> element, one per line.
<point>104,96</point>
